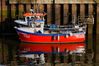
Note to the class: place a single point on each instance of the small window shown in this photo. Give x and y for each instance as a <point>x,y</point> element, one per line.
<point>28,19</point>
<point>23,18</point>
<point>32,18</point>
<point>38,26</point>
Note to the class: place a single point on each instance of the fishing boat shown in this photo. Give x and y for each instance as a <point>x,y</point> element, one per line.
<point>33,29</point>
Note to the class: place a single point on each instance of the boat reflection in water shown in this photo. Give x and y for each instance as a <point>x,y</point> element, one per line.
<point>41,51</point>
<point>49,48</point>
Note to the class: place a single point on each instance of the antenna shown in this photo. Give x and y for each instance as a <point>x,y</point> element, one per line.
<point>36,6</point>
<point>74,19</point>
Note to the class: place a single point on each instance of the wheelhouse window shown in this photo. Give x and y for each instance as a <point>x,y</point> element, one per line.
<point>28,19</point>
<point>23,18</point>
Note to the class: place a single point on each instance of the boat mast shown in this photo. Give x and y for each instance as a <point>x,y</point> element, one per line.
<point>36,7</point>
<point>74,20</point>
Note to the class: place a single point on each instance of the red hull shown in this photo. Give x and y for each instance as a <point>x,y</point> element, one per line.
<point>25,37</point>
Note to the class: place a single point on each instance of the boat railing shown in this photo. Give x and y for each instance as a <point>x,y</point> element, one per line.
<point>65,29</point>
<point>64,26</point>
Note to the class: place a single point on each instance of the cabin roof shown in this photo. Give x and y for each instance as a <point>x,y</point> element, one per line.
<point>34,14</point>
<point>39,14</point>
<point>28,14</point>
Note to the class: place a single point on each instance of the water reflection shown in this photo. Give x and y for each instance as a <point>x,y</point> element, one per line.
<point>45,53</point>
<point>26,52</point>
<point>29,48</point>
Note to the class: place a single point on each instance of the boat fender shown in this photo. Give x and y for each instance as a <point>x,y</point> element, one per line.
<point>66,36</point>
<point>58,37</point>
<point>53,37</point>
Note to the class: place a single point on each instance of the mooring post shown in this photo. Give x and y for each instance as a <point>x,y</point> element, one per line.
<point>86,16</point>
<point>62,14</point>
<point>1,10</point>
<point>53,12</point>
<point>17,10</point>
<point>78,10</point>
<point>86,36</point>
<point>70,14</point>
<point>45,10</point>
<point>94,44</point>
<point>24,5</point>
<point>2,46</point>
<point>8,9</point>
